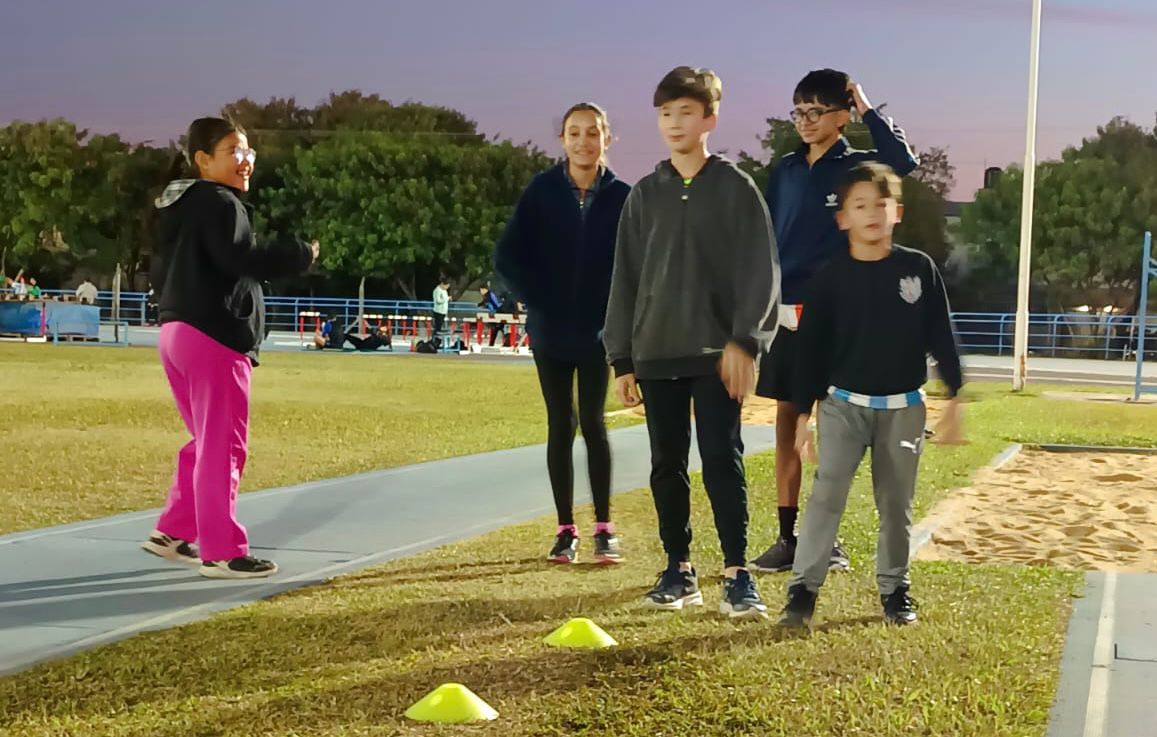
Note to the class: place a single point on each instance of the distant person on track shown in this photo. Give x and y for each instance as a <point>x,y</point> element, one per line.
<point>86,293</point>
<point>557,255</point>
<point>208,272</point>
<point>441,306</point>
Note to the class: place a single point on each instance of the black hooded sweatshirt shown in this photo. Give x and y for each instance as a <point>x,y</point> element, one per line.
<point>208,267</point>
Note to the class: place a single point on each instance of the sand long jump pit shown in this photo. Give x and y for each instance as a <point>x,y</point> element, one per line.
<point>1083,509</point>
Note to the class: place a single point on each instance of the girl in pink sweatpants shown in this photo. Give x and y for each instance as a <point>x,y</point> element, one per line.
<point>208,268</point>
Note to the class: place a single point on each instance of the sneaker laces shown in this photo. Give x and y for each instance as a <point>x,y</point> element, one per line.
<point>744,585</point>
<point>899,600</point>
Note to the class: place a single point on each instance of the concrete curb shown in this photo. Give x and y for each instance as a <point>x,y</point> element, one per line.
<point>1090,449</point>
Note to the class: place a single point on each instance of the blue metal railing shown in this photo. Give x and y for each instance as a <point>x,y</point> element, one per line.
<point>1071,335</point>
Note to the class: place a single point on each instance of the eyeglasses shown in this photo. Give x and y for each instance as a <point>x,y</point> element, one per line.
<point>812,114</point>
<point>241,154</point>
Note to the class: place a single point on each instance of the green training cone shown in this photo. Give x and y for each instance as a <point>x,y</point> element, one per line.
<point>580,632</point>
<point>451,703</point>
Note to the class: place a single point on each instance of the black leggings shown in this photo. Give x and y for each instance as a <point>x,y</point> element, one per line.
<point>557,379</point>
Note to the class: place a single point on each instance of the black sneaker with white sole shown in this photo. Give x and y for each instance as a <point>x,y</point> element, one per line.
<point>899,607</point>
<point>607,549</point>
<point>244,567</point>
<point>674,590</point>
<point>801,607</point>
<point>778,558</point>
<point>840,560</point>
<point>740,599</point>
<point>171,548</point>
<point>565,548</point>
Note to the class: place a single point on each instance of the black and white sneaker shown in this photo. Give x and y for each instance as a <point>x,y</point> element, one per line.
<point>674,590</point>
<point>607,550</point>
<point>740,599</point>
<point>899,608</point>
<point>565,548</point>
<point>244,567</point>
<point>801,607</point>
<point>171,548</point>
<point>778,558</point>
<point>840,561</point>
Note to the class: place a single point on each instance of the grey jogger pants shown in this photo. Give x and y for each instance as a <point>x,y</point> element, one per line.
<point>896,437</point>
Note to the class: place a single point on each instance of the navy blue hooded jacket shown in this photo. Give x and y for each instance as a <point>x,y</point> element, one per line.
<point>803,201</point>
<point>558,261</point>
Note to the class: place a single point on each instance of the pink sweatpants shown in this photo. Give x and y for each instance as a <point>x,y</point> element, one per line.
<point>210,386</point>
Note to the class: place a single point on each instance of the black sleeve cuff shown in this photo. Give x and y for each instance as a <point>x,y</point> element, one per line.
<point>749,345</point>
<point>623,366</point>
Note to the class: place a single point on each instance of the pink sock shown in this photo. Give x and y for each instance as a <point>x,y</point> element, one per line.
<point>604,527</point>
<point>564,528</point>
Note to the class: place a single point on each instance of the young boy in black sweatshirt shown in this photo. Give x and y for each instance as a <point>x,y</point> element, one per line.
<point>801,194</point>
<point>871,316</point>
<point>692,307</point>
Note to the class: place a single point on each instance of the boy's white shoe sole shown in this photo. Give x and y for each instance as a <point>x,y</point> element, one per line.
<point>695,599</point>
<point>749,613</point>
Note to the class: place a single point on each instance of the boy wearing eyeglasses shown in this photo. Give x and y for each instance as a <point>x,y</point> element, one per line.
<point>802,196</point>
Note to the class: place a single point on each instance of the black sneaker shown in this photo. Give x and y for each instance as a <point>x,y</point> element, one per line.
<point>778,558</point>
<point>840,560</point>
<point>675,589</point>
<point>800,608</point>
<point>171,548</point>
<point>607,549</point>
<point>740,599</point>
<point>244,567</point>
<point>899,608</point>
<point>565,548</point>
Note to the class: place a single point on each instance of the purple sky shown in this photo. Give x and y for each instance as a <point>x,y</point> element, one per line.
<point>952,71</point>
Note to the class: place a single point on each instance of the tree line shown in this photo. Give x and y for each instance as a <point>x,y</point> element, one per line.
<point>400,193</point>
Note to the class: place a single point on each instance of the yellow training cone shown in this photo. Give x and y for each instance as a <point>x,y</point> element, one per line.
<point>580,632</point>
<point>452,703</point>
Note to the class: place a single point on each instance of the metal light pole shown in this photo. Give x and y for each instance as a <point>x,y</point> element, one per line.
<point>1024,274</point>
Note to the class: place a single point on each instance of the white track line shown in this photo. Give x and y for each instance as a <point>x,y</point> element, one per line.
<point>1095,708</point>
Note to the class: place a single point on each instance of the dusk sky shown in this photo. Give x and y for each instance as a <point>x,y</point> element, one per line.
<point>953,72</point>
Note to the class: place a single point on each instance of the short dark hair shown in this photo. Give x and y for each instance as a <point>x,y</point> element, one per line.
<point>886,181</point>
<point>825,86</point>
<point>702,85</point>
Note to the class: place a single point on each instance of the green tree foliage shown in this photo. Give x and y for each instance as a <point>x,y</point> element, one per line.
<point>404,210</point>
<point>397,191</point>
<point>1091,210</point>
<point>68,199</point>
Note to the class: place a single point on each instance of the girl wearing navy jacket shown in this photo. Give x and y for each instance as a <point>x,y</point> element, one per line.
<point>208,270</point>
<point>556,255</point>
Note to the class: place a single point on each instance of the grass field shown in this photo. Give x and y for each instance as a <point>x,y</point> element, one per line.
<point>98,434</point>
<point>348,658</point>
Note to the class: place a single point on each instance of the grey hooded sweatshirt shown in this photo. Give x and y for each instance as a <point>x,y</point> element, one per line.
<point>695,269</point>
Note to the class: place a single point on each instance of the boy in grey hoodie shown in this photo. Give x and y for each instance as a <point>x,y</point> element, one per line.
<point>694,301</point>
